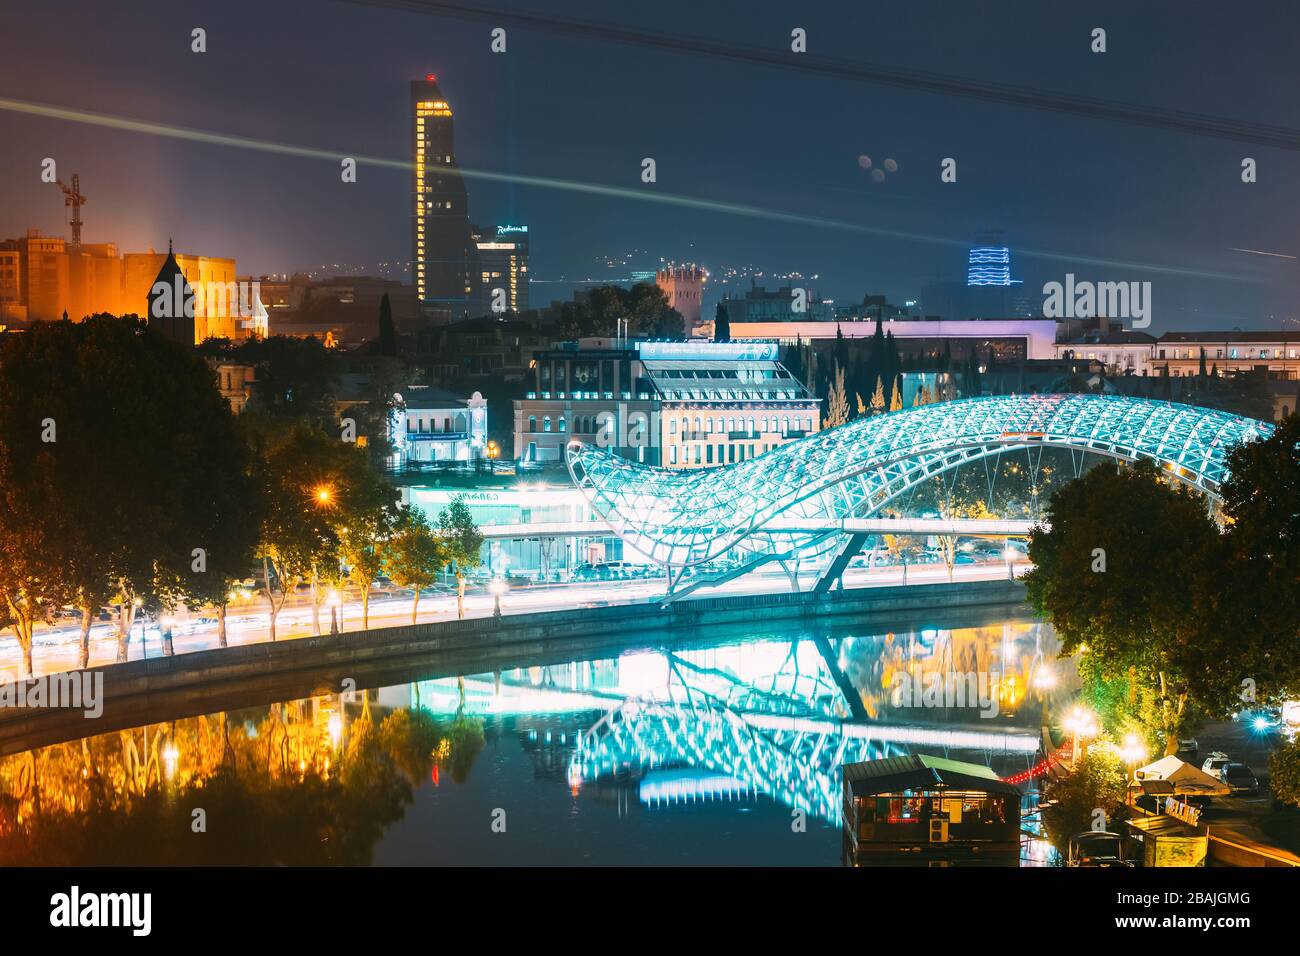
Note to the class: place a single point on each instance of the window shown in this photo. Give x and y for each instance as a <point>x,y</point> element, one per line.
<point>546,423</point>
<point>672,454</point>
<point>672,426</point>
<point>532,423</point>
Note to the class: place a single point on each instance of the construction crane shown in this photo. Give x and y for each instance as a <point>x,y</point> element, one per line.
<point>73,197</point>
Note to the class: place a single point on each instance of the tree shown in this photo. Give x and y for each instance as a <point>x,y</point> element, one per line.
<point>365,515</point>
<point>837,410</point>
<point>1257,576</point>
<point>143,485</point>
<point>294,378</point>
<point>462,542</point>
<point>1118,571</point>
<point>1284,773</point>
<point>299,475</point>
<point>721,324</point>
<point>878,398</point>
<point>598,311</point>
<point>1096,783</point>
<point>415,555</point>
<point>387,330</point>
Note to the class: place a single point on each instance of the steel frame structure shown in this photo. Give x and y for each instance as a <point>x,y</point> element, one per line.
<point>683,519</point>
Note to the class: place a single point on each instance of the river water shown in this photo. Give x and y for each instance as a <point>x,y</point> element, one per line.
<point>722,752</point>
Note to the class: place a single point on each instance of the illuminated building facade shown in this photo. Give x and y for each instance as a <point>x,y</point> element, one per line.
<point>440,229</point>
<point>594,390</point>
<point>1120,351</point>
<point>1006,339</point>
<point>41,277</point>
<point>722,403</point>
<point>1276,354</point>
<point>223,308</point>
<point>501,263</point>
<point>430,425</point>
<point>681,405</point>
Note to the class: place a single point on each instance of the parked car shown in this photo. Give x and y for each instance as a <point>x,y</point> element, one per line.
<point>1239,778</point>
<point>1216,762</point>
<point>1096,848</point>
<point>1188,750</point>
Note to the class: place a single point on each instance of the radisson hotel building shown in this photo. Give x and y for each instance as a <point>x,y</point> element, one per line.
<point>441,242</point>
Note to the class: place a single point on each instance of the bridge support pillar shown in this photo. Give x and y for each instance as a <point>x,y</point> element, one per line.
<point>835,570</point>
<point>791,569</point>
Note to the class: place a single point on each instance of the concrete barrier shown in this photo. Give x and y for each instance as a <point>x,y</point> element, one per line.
<point>200,682</point>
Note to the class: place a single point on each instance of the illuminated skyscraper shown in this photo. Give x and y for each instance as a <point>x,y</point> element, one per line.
<point>440,240</point>
<point>501,264</point>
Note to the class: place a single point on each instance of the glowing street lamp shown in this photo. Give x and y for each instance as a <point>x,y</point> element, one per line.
<point>1133,753</point>
<point>498,587</point>
<point>1082,723</point>
<point>323,495</point>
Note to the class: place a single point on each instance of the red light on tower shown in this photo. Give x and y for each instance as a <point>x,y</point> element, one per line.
<point>431,78</point>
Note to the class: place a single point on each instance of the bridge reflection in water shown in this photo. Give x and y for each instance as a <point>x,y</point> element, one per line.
<point>765,718</point>
<point>778,717</point>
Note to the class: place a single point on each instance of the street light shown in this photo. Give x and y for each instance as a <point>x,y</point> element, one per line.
<point>1082,723</point>
<point>1009,553</point>
<point>323,495</point>
<point>1044,677</point>
<point>1133,752</point>
<point>498,587</point>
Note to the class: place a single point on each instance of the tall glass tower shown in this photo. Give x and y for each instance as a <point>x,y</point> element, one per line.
<point>440,241</point>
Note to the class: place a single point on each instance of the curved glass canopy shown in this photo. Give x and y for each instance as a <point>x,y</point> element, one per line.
<point>789,501</point>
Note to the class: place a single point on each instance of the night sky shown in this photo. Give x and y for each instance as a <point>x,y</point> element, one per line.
<point>334,76</point>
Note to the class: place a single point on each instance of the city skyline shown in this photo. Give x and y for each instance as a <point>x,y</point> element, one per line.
<point>754,191</point>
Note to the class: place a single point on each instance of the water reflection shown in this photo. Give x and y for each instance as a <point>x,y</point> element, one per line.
<point>751,725</point>
<point>307,782</point>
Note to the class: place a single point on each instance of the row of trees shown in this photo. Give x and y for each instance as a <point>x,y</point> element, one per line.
<point>1177,611</point>
<point>127,484</point>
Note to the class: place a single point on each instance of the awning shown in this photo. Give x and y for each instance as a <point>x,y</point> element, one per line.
<point>1185,779</point>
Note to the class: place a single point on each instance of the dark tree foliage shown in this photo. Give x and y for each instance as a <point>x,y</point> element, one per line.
<point>1253,597</point>
<point>387,330</point>
<point>1119,571</point>
<point>597,311</point>
<point>721,324</point>
<point>143,488</point>
<point>295,378</point>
